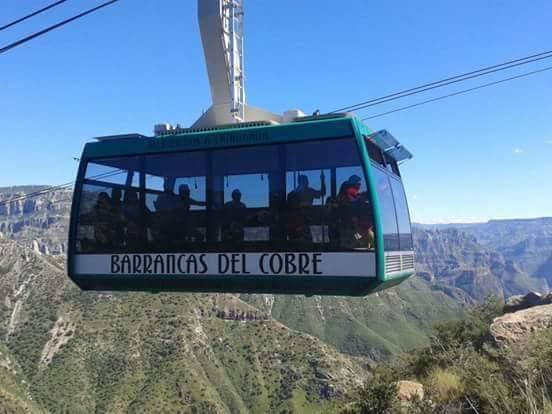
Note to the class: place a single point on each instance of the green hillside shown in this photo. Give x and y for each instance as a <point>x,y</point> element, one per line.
<point>84,352</point>
<point>378,325</point>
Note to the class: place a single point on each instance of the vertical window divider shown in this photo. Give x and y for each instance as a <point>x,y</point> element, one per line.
<point>143,207</point>
<point>211,224</point>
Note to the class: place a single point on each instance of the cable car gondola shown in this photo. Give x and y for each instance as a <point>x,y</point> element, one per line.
<point>315,206</point>
<point>243,201</point>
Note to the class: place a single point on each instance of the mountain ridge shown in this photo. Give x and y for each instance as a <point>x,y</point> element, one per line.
<point>130,352</point>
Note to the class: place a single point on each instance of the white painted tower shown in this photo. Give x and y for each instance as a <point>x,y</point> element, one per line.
<point>222,36</point>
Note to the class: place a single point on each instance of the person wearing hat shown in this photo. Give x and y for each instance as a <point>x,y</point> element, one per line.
<point>352,188</point>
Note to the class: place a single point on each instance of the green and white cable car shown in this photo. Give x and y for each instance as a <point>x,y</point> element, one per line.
<point>315,206</point>
<point>261,204</point>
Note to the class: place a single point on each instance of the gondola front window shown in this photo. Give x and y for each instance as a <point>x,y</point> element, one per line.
<point>292,197</point>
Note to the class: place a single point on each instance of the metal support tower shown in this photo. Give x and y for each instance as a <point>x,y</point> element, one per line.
<point>232,16</point>
<point>222,36</point>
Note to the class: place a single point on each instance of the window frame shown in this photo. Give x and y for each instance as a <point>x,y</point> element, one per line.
<point>398,180</point>
<point>388,175</point>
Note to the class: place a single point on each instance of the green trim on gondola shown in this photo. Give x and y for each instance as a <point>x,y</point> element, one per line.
<point>349,286</point>
<point>234,137</point>
<point>399,275</point>
<point>360,132</point>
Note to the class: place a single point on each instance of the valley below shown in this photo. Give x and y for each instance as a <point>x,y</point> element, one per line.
<point>64,350</point>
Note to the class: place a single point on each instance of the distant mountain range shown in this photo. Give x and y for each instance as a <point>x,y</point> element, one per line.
<point>525,242</point>
<point>455,257</point>
<point>66,350</point>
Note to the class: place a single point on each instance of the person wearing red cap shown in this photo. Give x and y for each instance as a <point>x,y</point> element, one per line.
<point>352,188</point>
<point>354,230</point>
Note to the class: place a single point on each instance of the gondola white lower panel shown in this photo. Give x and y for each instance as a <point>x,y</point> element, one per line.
<point>357,264</point>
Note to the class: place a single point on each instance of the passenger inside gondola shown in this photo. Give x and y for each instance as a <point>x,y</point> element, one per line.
<point>185,196</point>
<point>303,195</point>
<point>236,202</point>
<point>234,218</point>
<point>351,222</point>
<point>185,222</point>
<point>298,201</point>
<point>164,220</point>
<point>104,222</point>
<point>116,195</point>
<point>116,205</point>
<point>131,214</point>
<point>167,200</point>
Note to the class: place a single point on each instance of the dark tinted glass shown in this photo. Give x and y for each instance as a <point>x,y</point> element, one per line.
<point>403,217</point>
<point>374,152</point>
<point>110,216</point>
<point>305,196</point>
<point>175,198</point>
<point>387,209</point>
<point>392,165</point>
<point>327,204</point>
<point>244,186</point>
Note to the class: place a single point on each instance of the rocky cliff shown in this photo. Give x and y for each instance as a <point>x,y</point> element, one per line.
<point>455,258</point>
<point>39,222</point>
<point>527,242</point>
<point>524,317</point>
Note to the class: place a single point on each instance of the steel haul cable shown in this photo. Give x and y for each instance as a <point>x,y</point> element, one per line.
<point>439,98</point>
<point>54,188</point>
<point>448,81</point>
<point>28,16</point>
<point>53,27</point>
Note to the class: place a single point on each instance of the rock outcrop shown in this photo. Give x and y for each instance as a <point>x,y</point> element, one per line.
<point>408,391</point>
<point>520,302</point>
<point>515,329</point>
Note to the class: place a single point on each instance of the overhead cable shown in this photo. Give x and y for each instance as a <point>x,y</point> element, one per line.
<point>55,26</point>
<point>28,16</point>
<point>439,98</point>
<point>447,81</point>
<point>54,188</point>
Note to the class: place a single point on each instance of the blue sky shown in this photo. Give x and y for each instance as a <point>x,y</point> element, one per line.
<point>478,156</point>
